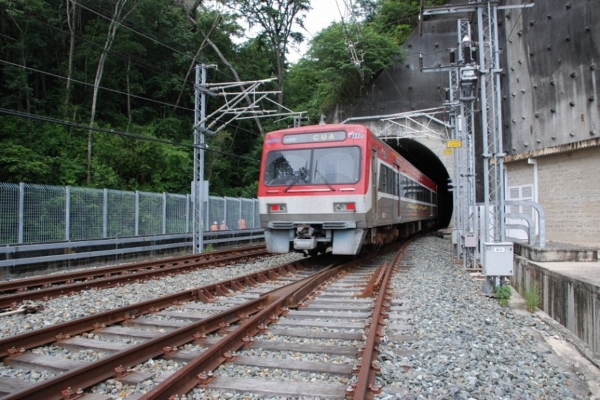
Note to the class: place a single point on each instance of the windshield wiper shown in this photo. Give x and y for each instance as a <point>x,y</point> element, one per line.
<point>298,177</point>
<point>289,186</point>
<point>324,180</point>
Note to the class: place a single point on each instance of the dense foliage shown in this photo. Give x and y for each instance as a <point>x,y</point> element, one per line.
<point>126,68</point>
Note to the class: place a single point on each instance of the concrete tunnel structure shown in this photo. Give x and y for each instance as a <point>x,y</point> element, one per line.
<point>424,151</point>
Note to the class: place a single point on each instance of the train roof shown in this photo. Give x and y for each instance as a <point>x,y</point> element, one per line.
<point>320,128</point>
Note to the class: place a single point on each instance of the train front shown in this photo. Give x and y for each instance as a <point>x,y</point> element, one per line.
<point>312,189</point>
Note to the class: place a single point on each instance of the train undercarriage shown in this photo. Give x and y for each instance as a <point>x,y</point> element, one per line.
<point>316,238</point>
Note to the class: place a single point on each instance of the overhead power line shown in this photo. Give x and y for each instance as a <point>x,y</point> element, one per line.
<point>135,31</point>
<point>146,65</point>
<point>91,84</point>
<point>46,119</point>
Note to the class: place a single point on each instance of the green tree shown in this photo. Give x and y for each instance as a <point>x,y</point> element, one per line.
<point>329,74</point>
<point>276,20</point>
<point>21,164</point>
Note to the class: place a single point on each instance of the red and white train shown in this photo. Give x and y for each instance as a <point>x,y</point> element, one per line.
<point>339,186</point>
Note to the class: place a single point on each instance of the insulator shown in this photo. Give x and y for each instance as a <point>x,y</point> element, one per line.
<point>467,54</point>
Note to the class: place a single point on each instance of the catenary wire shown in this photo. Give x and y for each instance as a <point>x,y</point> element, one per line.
<point>123,56</point>
<point>91,84</point>
<point>42,118</point>
<point>135,31</point>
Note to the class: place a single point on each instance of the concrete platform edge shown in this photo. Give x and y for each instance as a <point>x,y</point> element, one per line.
<point>566,302</point>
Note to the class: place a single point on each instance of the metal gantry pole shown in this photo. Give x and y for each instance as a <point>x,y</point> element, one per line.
<point>198,183</point>
<point>491,122</point>
<point>497,255</point>
<point>468,131</point>
<point>465,132</point>
<point>471,220</point>
<point>454,118</point>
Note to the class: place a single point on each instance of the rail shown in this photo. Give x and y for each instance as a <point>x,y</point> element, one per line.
<point>55,285</point>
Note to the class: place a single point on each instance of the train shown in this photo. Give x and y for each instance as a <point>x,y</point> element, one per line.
<point>339,188</point>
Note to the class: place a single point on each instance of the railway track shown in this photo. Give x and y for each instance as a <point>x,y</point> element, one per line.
<point>207,334</point>
<point>15,295</point>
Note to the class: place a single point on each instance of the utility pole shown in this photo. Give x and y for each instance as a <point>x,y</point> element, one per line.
<point>199,189</point>
<point>220,118</point>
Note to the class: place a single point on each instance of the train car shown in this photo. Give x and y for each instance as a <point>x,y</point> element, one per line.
<point>338,186</point>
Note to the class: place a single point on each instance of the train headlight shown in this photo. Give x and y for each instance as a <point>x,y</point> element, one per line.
<point>277,208</point>
<point>344,207</point>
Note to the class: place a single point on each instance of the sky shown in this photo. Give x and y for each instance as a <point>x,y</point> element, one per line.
<point>323,13</point>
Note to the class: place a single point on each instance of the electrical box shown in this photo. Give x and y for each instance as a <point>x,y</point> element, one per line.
<point>470,240</point>
<point>497,259</point>
<point>455,234</point>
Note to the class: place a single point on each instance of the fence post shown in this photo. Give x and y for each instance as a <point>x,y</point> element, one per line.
<point>137,213</point>
<point>164,219</point>
<point>225,210</point>
<point>105,213</point>
<point>241,215</point>
<point>21,210</point>
<point>67,212</point>
<point>187,213</point>
<point>253,214</point>
<point>207,211</point>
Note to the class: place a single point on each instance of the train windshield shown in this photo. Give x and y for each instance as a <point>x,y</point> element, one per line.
<point>323,166</point>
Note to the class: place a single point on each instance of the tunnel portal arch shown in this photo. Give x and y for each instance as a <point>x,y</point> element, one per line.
<point>427,153</point>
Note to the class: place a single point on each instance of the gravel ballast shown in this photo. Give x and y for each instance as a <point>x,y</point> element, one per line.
<point>467,346</point>
<point>460,344</point>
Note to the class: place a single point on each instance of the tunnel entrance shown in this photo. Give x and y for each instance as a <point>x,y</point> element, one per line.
<point>429,163</point>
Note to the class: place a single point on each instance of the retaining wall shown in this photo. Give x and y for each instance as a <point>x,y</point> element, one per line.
<point>568,299</point>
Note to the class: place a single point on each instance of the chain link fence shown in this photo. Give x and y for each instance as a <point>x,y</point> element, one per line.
<point>32,213</point>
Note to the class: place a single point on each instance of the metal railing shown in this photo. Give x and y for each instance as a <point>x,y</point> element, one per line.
<point>31,213</point>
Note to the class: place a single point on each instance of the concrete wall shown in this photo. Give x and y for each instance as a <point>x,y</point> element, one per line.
<point>551,112</point>
<point>436,143</point>
<point>571,302</point>
<point>551,79</point>
<point>404,87</point>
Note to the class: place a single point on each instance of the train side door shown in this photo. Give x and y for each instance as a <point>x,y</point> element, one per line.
<point>374,183</point>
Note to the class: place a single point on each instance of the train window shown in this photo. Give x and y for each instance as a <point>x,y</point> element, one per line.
<point>388,180</point>
<point>287,167</point>
<point>411,189</point>
<point>335,165</point>
<point>403,186</point>
<point>383,179</point>
<point>331,165</point>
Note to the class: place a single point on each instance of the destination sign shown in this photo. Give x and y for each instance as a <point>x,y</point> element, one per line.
<point>314,137</point>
